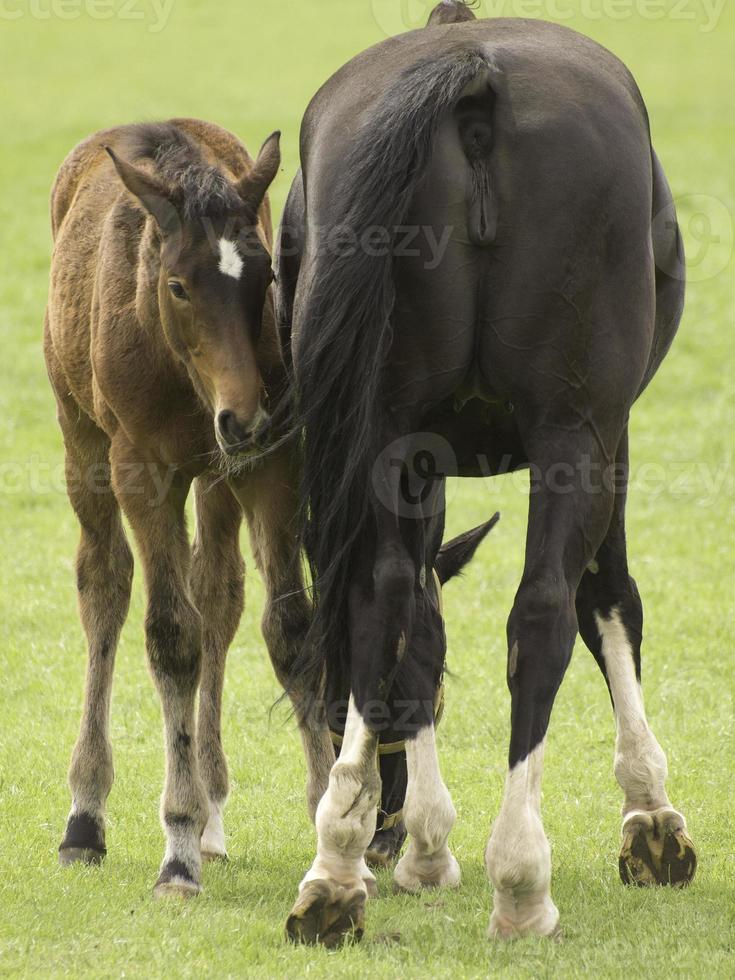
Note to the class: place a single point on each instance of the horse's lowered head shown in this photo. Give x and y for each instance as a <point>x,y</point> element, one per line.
<point>214,271</point>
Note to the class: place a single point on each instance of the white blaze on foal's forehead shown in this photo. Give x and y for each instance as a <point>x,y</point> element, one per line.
<point>230,262</point>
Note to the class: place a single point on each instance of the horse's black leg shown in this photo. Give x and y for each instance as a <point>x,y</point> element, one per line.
<point>567,522</point>
<point>429,813</point>
<point>656,847</point>
<point>390,834</point>
<point>217,586</point>
<point>104,577</point>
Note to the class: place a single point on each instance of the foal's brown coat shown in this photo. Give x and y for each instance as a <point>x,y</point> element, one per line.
<point>157,356</point>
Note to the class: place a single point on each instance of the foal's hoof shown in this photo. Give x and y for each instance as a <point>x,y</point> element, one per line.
<point>327,913</point>
<point>213,836</point>
<point>175,881</point>
<point>656,849</point>
<point>386,846</point>
<point>80,855</point>
<point>84,841</point>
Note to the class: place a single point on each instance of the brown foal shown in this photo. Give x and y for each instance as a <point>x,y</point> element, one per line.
<point>162,350</point>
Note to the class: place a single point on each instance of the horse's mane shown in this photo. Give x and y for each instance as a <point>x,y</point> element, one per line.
<point>204,189</point>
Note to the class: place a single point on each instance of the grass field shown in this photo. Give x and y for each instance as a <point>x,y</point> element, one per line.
<point>252,67</point>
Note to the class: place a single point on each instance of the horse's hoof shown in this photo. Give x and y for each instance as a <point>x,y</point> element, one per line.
<point>386,846</point>
<point>414,874</point>
<point>84,840</point>
<point>213,836</point>
<point>176,889</point>
<point>327,913</point>
<point>506,930</point>
<point>175,881</point>
<point>656,849</point>
<point>526,915</point>
<point>80,855</point>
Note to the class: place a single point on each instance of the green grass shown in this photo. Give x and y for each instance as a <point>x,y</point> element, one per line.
<point>252,67</point>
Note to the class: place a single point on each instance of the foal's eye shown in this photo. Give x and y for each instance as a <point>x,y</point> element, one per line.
<point>177,289</point>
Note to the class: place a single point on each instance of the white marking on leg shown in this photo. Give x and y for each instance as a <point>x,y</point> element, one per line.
<point>640,763</point>
<point>230,262</point>
<point>347,813</point>
<point>429,816</point>
<point>518,856</point>
<point>213,838</point>
<point>181,846</point>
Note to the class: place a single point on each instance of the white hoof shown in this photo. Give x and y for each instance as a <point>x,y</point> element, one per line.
<point>414,872</point>
<point>523,916</point>
<point>213,838</point>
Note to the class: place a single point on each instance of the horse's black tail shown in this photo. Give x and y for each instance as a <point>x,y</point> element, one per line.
<point>345,334</point>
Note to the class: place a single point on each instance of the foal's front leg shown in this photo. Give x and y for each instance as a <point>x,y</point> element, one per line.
<point>173,641</point>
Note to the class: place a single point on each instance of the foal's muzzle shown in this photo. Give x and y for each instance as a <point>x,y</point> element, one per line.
<point>236,437</point>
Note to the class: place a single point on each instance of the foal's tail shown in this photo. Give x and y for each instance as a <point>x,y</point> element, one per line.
<point>345,332</point>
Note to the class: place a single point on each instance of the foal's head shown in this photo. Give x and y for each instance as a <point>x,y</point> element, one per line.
<point>213,278</point>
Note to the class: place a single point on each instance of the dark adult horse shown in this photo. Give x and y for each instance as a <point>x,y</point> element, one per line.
<point>522,341</point>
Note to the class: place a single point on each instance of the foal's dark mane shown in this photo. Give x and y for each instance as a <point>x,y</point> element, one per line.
<point>201,189</point>
<point>345,335</point>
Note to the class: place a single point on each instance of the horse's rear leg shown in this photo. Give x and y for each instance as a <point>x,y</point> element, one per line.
<point>566,525</point>
<point>104,576</point>
<point>656,846</point>
<point>217,585</point>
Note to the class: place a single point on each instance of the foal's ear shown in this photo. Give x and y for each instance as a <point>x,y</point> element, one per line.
<point>153,194</point>
<point>458,552</point>
<point>253,186</point>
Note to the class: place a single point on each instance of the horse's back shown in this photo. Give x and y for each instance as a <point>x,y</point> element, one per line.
<point>559,264</point>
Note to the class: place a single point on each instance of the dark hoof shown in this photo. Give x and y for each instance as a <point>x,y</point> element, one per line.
<point>83,841</point>
<point>327,913</point>
<point>83,855</point>
<point>175,880</point>
<point>386,846</point>
<point>657,850</point>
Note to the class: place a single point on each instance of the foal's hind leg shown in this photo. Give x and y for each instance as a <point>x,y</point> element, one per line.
<point>217,585</point>
<point>656,846</point>
<point>565,529</point>
<point>104,576</point>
